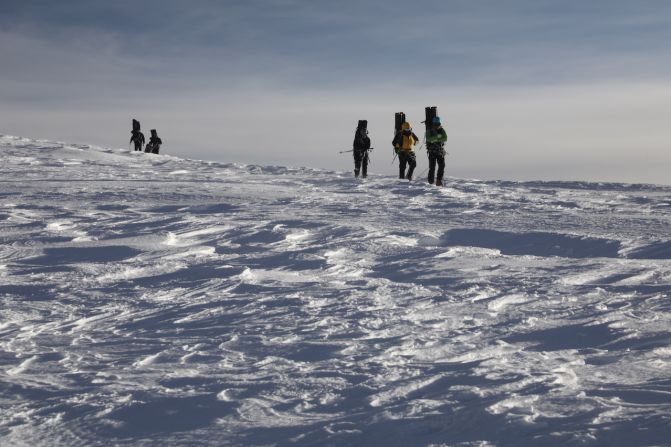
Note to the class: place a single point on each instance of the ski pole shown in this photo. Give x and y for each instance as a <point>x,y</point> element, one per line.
<point>420,148</point>
<point>352,150</point>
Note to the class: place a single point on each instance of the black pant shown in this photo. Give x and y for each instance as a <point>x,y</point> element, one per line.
<point>361,163</point>
<point>409,159</point>
<point>138,145</point>
<point>439,158</point>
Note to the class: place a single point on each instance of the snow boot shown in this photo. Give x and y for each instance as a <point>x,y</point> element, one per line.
<point>439,183</point>
<point>356,173</point>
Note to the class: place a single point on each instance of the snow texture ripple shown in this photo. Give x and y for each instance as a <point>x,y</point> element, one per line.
<point>151,300</point>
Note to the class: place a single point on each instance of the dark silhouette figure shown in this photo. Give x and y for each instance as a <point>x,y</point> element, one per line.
<point>404,143</point>
<point>154,143</point>
<point>435,142</point>
<point>137,137</point>
<point>360,149</point>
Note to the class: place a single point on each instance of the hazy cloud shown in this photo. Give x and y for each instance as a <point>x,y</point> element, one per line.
<point>535,89</point>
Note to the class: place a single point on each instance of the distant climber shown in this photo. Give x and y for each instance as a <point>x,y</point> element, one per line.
<point>360,149</point>
<point>137,137</point>
<point>404,143</point>
<point>154,143</point>
<point>435,142</point>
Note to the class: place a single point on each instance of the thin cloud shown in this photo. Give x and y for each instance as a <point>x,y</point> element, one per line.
<point>283,82</point>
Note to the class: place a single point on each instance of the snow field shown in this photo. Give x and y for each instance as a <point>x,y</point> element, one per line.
<point>150,300</point>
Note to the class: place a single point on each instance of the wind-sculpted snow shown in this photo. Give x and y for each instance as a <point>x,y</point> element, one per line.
<point>150,300</point>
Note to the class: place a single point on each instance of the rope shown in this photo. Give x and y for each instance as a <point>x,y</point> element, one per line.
<point>422,174</point>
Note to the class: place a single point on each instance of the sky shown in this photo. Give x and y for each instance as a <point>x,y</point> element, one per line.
<point>527,90</point>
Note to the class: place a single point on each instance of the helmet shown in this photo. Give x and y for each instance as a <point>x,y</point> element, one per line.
<point>436,120</point>
<point>406,126</point>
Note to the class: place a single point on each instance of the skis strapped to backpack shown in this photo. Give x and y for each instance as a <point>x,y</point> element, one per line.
<point>399,119</point>
<point>430,113</point>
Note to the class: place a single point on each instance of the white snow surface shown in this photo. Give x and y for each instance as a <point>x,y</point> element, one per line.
<point>150,300</point>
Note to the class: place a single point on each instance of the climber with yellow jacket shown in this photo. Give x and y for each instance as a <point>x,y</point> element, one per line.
<point>404,144</point>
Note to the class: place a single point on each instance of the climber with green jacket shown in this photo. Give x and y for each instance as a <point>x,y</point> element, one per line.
<point>435,149</point>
